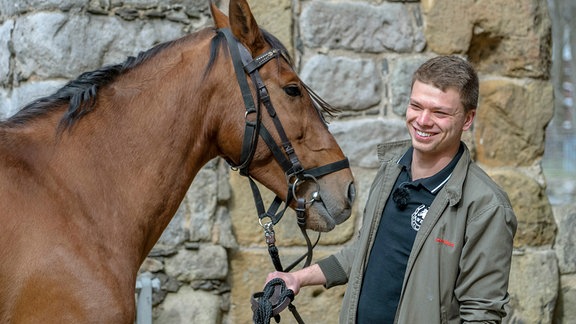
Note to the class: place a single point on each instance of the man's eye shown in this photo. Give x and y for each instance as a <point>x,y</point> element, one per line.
<point>292,91</point>
<point>441,114</point>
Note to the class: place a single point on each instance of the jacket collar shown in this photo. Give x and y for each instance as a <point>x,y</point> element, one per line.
<point>456,183</point>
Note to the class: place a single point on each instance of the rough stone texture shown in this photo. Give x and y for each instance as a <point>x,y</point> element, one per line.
<point>504,37</point>
<point>4,104</point>
<point>533,300</point>
<point>189,306</point>
<point>565,243</point>
<point>26,93</point>
<point>276,17</point>
<point>11,7</point>
<point>358,55</point>
<point>536,225</point>
<point>65,37</point>
<point>5,31</point>
<point>205,263</point>
<point>359,80</point>
<point>566,312</point>
<point>200,218</point>
<point>507,132</point>
<point>335,26</point>
<point>203,205</point>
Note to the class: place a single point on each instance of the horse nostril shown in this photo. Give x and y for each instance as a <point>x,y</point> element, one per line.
<point>351,193</point>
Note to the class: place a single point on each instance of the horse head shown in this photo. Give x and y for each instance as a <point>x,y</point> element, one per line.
<point>284,135</point>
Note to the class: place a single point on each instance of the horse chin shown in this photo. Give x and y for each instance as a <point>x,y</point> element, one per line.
<point>321,224</point>
<point>320,219</point>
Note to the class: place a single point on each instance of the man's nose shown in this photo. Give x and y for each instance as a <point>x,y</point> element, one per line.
<point>424,117</point>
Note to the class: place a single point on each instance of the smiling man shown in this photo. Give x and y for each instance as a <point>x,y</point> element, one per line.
<point>437,235</point>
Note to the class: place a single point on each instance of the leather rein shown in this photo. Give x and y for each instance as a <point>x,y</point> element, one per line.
<point>285,155</point>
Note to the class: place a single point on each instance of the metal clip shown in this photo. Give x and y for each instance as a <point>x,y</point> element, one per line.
<point>270,237</point>
<point>269,233</point>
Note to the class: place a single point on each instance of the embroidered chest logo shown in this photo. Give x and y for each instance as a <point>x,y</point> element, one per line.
<point>418,217</point>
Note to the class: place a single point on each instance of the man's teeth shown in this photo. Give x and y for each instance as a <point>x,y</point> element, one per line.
<point>423,134</point>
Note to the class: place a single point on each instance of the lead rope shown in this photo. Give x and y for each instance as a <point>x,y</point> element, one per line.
<point>276,297</point>
<point>264,310</point>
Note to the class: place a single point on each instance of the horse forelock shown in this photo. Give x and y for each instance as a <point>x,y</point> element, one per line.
<point>80,94</point>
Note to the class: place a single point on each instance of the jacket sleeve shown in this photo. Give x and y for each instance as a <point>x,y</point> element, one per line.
<point>337,267</point>
<point>482,285</point>
<point>333,271</point>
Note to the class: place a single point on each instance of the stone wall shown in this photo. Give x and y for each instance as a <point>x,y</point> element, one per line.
<point>358,55</point>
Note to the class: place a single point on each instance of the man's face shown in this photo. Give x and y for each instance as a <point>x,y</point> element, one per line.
<point>436,120</point>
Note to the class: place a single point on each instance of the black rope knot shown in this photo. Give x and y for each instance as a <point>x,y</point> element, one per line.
<point>269,303</point>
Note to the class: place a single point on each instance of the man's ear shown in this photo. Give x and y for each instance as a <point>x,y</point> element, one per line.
<point>469,119</point>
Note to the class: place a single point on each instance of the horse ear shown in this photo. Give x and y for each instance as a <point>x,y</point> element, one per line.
<point>219,17</point>
<point>244,26</point>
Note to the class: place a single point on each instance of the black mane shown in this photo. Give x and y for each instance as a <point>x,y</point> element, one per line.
<point>80,94</point>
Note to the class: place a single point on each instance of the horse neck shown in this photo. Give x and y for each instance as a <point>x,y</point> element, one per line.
<point>130,162</point>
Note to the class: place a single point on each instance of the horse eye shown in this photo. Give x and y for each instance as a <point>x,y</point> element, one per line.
<point>293,91</point>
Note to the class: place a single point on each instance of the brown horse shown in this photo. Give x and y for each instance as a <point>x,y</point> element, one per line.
<point>91,175</point>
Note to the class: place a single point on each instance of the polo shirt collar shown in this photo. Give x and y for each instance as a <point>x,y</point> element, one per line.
<point>434,183</point>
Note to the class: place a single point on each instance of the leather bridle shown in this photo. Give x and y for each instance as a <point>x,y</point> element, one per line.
<point>284,153</point>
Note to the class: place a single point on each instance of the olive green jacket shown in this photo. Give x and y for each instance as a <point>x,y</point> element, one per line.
<point>459,266</point>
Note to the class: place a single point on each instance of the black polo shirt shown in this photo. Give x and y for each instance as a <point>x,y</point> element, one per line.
<point>402,217</point>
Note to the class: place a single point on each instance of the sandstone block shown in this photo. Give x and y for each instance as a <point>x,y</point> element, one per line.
<point>506,37</point>
<point>189,306</point>
<point>510,122</point>
<point>533,301</point>
<point>536,226</point>
<point>276,17</point>
<point>566,312</point>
